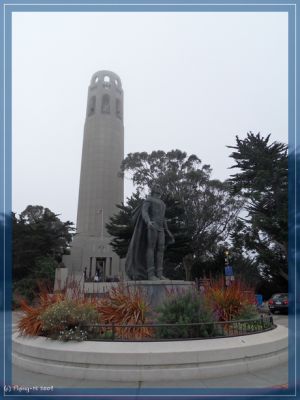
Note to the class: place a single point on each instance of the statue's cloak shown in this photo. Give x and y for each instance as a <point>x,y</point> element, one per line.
<point>135,265</point>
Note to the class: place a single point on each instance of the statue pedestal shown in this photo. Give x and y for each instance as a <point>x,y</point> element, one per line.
<point>157,291</point>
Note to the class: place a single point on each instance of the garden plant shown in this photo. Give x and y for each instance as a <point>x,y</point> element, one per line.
<point>125,314</point>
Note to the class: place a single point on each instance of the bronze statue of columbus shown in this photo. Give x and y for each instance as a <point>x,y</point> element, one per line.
<point>144,260</point>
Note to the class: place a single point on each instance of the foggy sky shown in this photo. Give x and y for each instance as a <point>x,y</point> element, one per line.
<point>192,81</point>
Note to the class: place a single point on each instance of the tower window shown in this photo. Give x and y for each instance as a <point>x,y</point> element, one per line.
<point>105,106</point>
<point>106,82</point>
<point>118,108</point>
<point>92,105</point>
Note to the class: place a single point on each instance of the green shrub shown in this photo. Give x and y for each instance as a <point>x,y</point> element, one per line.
<point>186,308</point>
<point>64,320</point>
<point>42,276</point>
<point>258,325</point>
<point>107,335</point>
<point>25,288</point>
<point>248,311</point>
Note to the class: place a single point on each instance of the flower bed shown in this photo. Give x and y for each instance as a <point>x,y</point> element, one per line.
<point>124,314</point>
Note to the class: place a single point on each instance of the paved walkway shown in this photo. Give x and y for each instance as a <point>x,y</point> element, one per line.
<point>276,376</point>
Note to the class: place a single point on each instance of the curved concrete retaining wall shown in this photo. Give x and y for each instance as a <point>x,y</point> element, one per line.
<point>152,361</point>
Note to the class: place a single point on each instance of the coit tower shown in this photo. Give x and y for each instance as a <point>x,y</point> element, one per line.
<point>101,186</point>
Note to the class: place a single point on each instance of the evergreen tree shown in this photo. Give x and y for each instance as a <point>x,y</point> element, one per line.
<point>120,225</point>
<point>200,211</point>
<point>262,180</point>
<point>39,239</point>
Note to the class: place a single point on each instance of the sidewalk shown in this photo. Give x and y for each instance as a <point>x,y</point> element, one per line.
<point>273,377</point>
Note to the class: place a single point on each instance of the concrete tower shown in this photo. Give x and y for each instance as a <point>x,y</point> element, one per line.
<point>101,187</point>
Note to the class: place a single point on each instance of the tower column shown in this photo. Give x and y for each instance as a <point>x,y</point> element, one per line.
<point>101,187</point>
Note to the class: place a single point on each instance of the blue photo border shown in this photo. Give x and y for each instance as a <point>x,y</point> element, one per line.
<point>6,11</point>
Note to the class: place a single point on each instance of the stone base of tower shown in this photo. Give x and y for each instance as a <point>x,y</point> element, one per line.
<point>90,256</point>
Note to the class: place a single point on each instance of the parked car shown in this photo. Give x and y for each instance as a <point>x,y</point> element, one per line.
<point>279,302</point>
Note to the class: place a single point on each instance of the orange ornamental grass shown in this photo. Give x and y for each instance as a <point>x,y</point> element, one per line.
<point>121,306</point>
<point>30,324</point>
<point>126,306</point>
<point>227,302</point>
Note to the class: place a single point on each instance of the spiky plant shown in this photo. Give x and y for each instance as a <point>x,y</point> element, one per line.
<point>126,305</point>
<point>30,323</point>
<point>227,302</point>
